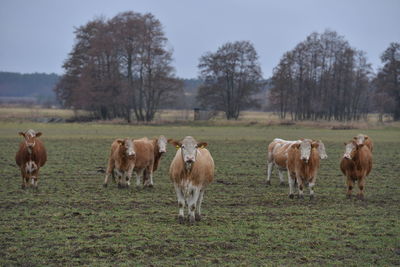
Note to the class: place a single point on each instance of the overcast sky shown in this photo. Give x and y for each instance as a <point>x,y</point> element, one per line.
<point>37,35</point>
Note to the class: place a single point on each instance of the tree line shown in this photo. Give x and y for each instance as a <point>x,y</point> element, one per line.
<point>121,67</point>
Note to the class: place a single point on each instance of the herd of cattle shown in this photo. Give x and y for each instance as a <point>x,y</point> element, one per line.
<point>192,168</point>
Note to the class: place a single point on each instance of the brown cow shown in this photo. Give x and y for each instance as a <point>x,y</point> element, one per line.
<point>121,162</point>
<point>30,157</point>
<point>191,171</point>
<point>303,164</point>
<point>148,155</point>
<point>364,139</point>
<point>356,164</point>
<point>278,153</point>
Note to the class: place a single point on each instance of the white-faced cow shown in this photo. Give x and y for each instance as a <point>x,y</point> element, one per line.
<point>356,164</point>
<point>303,164</point>
<point>148,155</point>
<point>191,171</point>
<point>365,140</point>
<point>278,154</point>
<point>121,162</point>
<point>30,157</point>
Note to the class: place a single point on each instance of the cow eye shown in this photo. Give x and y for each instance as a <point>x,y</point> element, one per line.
<point>196,146</point>
<point>182,146</point>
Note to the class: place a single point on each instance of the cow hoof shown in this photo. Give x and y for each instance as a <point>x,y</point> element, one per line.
<point>192,220</point>
<point>349,196</point>
<point>23,187</point>
<point>181,220</point>
<point>197,217</point>
<point>268,182</point>
<point>291,196</point>
<point>301,197</point>
<point>360,197</point>
<point>311,197</point>
<point>105,185</point>
<point>282,184</point>
<point>150,186</point>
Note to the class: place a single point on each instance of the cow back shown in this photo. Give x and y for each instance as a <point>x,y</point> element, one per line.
<point>144,150</point>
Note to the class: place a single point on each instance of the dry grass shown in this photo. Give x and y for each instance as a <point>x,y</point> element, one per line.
<point>185,116</point>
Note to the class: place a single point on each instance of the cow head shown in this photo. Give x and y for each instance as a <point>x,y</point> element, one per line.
<point>30,137</point>
<point>127,147</point>
<point>188,147</point>
<point>321,150</point>
<point>351,148</point>
<point>360,138</point>
<point>305,147</point>
<point>162,144</point>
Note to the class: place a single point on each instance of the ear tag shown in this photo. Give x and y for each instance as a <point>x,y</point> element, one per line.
<point>177,147</point>
<point>201,147</point>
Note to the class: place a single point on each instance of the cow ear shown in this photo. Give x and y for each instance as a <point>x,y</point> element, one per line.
<point>120,142</point>
<point>355,138</point>
<point>296,145</point>
<point>22,134</point>
<point>345,143</point>
<point>365,137</point>
<point>202,144</point>
<point>38,134</point>
<point>175,143</point>
<point>315,145</point>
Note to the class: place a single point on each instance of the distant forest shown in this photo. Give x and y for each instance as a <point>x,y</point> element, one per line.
<point>40,86</point>
<point>37,85</point>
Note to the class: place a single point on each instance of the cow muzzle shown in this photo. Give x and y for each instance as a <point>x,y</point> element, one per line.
<point>346,156</point>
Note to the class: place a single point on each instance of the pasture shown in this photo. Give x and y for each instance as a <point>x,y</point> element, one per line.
<point>72,220</point>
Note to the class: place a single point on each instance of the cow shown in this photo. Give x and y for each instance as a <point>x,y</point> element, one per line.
<point>191,171</point>
<point>364,139</point>
<point>30,157</point>
<point>356,164</point>
<point>278,153</point>
<point>303,164</point>
<point>148,155</point>
<point>121,162</point>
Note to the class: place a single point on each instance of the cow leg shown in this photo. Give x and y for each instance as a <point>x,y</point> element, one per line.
<point>192,201</point>
<point>147,178</point>
<point>361,184</point>
<point>311,187</point>
<point>300,187</point>
<point>270,166</point>
<point>24,179</point>
<point>129,176</point>
<point>282,182</point>
<point>110,168</point>
<point>181,204</point>
<point>350,186</point>
<point>138,174</point>
<point>197,214</point>
<point>151,178</point>
<point>291,185</point>
<point>34,178</point>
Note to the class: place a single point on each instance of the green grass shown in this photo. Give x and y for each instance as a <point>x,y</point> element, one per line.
<point>72,220</point>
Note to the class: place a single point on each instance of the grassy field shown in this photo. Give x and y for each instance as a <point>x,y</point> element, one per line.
<point>72,220</point>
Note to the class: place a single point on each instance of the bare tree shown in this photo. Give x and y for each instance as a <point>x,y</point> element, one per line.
<point>231,76</point>
<point>387,81</point>
<point>321,78</point>
<point>117,66</point>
